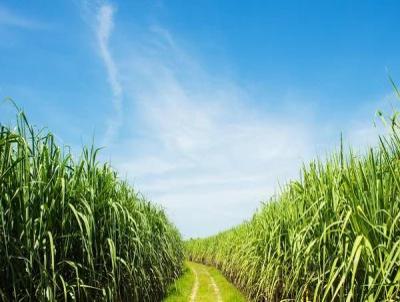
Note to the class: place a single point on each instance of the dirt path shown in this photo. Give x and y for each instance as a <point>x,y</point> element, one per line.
<point>203,283</point>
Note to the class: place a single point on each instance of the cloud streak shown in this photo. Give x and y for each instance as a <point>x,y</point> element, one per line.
<point>200,144</point>
<point>105,25</point>
<point>202,151</point>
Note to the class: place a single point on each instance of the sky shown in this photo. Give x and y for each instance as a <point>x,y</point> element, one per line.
<point>206,107</point>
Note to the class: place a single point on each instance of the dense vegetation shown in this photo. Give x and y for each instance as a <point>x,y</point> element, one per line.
<point>72,230</point>
<point>332,235</point>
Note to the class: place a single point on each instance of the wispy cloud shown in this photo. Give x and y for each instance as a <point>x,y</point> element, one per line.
<point>202,151</point>
<point>12,19</point>
<point>105,25</point>
<point>199,143</point>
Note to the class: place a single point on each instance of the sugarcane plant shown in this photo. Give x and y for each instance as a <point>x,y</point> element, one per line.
<point>72,230</point>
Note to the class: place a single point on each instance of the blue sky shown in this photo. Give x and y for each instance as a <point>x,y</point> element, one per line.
<point>204,106</point>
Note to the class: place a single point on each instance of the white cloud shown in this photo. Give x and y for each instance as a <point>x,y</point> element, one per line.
<point>203,152</point>
<point>104,29</point>
<point>198,143</point>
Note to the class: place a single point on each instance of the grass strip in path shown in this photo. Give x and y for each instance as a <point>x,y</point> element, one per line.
<point>215,286</point>
<point>202,283</point>
<point>228,291</point>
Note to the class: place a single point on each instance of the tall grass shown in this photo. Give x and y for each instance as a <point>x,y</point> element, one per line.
<point>332,235</point>
<point>71,230</point>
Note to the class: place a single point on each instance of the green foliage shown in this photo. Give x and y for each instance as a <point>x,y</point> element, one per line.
<point>71,230</point>
<point>333,235</point>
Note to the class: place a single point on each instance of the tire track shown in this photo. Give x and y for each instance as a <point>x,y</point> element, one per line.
<point>215,286</point>
<point>195,287</point>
